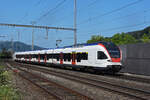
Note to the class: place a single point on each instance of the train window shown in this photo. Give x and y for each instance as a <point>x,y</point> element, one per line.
<point>85,56</point>
<point>36,56</point>
<point>17,56</point>
<point>49,56</point>
<point>101,55</point>
<point>55,56</point>
<point>69,56</point>
<point>42,56</point>
<point>24,56</point>
<point>65,56</point>
<point>31,56</point>
<point>27,56</point>
<point>78,57</point>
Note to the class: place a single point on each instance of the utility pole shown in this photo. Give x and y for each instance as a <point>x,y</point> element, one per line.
<point>46,34</point>
<point>12,44</point>
<point>33,35</point>
<point>18,46</point>
<point>75,24</point>
<point>18,35</point>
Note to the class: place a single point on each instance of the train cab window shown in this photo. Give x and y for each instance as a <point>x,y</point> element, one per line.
<point>101,55</point>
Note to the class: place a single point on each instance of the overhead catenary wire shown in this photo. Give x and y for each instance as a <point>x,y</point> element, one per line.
<point>121,17</point>
<point>113,19</point>
<point>92,3</point>
<point>38,3</point>
<point>110,12</point>
<point>68,15</point>
<point>58,18</point>
<point>51,10</point>
<point>120,27</point>
<point>29,9</point>
<point>89,5</point>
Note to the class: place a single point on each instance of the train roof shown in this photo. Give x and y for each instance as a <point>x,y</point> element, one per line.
<point>72,46</point>
<point>89,44</point>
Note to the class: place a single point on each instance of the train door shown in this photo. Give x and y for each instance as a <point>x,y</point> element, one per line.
<point>61,58</point>
<point>73,56</point>
<point>100,58</point>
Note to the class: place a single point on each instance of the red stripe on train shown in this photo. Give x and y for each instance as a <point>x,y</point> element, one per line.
<point>115,59</point>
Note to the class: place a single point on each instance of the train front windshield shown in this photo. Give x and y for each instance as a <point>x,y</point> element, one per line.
<point>112,49</point>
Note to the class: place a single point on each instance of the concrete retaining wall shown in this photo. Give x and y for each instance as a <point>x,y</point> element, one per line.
<point>136,58</point>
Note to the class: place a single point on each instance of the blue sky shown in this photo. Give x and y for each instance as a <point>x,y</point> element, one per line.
<point>94,17</point>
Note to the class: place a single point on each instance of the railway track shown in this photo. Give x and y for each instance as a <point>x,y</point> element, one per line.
<point>123,90</point>
<point>59,92</point>
<point>130,78</point>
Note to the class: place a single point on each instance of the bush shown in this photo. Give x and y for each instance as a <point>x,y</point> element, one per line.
<point>7,92</point>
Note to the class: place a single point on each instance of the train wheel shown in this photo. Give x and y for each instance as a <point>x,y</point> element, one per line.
<point>91,70</point>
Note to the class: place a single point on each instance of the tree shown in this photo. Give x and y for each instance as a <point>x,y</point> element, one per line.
<point>5,54</point>
<point>96,38</point>
<point>118,39</point>
<point>123,38</point>
<point>145,38</point>
<point>107,39</point>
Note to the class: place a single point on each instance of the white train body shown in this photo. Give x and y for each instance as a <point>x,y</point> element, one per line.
<point>100,56</point>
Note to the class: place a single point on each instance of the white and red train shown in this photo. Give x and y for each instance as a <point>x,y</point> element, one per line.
<point>101,56</point>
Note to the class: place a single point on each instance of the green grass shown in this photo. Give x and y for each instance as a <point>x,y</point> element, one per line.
<point>7,92</point>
